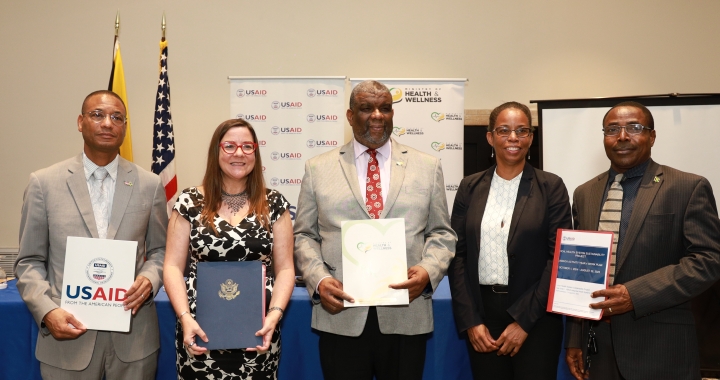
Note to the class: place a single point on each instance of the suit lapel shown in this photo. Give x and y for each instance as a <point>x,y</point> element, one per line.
<point>479,201</point>
<point>126,177</point>
<point>398,165</point>
<point>347,163</point>
<point>77,183</point>
<point>645,196</point>
<point>524,191</point>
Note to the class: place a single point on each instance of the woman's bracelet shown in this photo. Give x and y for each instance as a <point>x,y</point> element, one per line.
<point>183,313</point>
<point>278,309</point>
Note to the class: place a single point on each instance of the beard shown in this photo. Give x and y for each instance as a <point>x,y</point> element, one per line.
<point>380,141</point>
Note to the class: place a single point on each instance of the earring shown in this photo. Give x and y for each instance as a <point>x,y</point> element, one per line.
<point>528,156</point>
<point>492,152</point>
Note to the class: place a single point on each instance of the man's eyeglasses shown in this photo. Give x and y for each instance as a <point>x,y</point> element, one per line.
<point>505,132</point>
<point>630,129</point>
<point>230,147</point>
<point>98,117</point>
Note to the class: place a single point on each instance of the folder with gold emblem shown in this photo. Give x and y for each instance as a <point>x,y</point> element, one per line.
<point>230,303</point>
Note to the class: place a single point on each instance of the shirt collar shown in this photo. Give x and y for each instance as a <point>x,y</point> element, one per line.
<point>383,150</point>
<point>90,167</point>
<point>637,171</point>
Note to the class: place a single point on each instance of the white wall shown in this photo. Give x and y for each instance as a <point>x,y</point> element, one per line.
<point>53,53</point>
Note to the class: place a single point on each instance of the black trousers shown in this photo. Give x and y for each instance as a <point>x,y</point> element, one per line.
<point>603,365</point>
<point>538,356</point>
<point>385,356</point>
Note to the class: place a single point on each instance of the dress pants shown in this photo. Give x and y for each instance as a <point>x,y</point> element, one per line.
<point>105,362</point>
<point>385,356</point>
<point>603,365</point>
<point>536,359</point>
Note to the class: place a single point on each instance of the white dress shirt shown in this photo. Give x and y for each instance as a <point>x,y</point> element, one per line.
<point>361,162</point>
<point>493,267</point>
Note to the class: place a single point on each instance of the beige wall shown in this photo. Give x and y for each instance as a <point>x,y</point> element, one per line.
<point>55,52</point>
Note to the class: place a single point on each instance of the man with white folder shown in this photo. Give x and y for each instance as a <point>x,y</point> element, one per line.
<point>96,194</point>
<point>372,177</point>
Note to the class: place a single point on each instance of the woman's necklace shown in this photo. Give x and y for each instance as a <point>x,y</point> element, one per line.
<point>235,201</point>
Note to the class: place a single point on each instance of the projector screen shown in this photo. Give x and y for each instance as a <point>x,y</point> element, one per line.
<point>687,137</point>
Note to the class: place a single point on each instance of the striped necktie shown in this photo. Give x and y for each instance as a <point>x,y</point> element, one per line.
<point>610,219</point>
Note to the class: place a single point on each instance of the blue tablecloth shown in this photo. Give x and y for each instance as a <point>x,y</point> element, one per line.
<point>446,359</point>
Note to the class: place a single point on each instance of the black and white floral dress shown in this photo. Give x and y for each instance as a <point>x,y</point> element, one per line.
<point>246,241</point>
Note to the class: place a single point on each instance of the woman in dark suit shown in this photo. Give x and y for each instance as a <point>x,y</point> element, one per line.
<point>506,219</point>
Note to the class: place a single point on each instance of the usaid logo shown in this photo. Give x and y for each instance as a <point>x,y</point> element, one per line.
<point>275,130</point>
<point>311,118</point>
<point>285,156</point>
<point>275,181</point>
<point>286,105</point>
<point>260,118</point>
<point>311,93</point>
<point>243,93</point>
<point>99,270</point>
<point>321,143</point>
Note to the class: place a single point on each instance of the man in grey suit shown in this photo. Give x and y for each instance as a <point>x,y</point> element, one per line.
<point>668,251</point>
<point>359,342</point>
<point>129,206</point>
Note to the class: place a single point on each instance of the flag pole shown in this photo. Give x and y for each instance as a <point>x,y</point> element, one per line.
<point>163,27</point>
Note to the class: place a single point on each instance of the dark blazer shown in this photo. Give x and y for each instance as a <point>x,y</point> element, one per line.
<point>541,208</point>
<point>670,254</point>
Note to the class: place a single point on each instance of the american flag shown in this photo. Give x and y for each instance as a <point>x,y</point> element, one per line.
<point>163,138</point>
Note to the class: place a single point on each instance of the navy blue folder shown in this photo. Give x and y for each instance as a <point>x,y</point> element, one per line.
<point>230,303</point>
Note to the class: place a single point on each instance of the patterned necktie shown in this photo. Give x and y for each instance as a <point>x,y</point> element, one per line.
<point>610,219</point>
<point>373,188</point>
<point>100,201</point>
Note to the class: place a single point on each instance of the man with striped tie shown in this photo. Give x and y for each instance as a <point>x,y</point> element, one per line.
<point>666,251</point>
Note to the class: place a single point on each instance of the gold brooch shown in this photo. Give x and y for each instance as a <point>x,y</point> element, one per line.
<point>228,290</point>
<point>656,179</point>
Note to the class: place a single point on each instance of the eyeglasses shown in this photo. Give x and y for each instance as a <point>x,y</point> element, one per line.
<point>98,117</point>
<point>230,147</point>
<point>505,132</point>
<point>630,129</point>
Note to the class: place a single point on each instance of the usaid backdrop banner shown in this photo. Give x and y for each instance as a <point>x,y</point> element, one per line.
<point>295,118</point>
<point>429,117</point>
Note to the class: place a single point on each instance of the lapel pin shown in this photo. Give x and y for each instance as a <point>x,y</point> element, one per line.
<point>656,179</point>
<point>128,183</point>
<point>399,163</point>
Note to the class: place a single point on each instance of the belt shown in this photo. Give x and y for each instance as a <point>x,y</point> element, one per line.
<point>498,289</point>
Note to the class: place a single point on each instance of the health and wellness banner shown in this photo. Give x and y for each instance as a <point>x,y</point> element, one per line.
<point>429,117</point>
<point>295,118</point>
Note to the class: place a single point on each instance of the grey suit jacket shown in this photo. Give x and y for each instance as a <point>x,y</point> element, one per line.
<point>57,205</point>
<point>670,253</point>
<point>330,194</point>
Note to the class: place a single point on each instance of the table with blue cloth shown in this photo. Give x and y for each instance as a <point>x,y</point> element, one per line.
<point>446,359</point>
